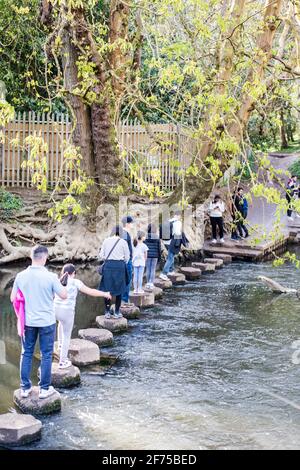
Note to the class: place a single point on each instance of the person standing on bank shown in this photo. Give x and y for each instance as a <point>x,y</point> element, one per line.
<point>127,223</point>
<point>154,254</point>
<point>38,287</point>
<point>216,210</point>
<point>177,238</point>
<point>238,209</point>
<point>65,310</point>
<point>116,255</point>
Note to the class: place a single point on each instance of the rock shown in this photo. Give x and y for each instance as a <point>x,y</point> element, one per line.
<point>177,279</point>
<point>100,337</point>
<point>113,325</point>
<point>158,292</point>
<point>18,429</point>
<point>217,262</point>
<point>205,267</point>
<point>226,258</point>
<point>145,300</point>
<point>108,359</point>
<point>130,311</point>
<point>65,378</point>
<point>162,284</point>
<point>36,406</point>
<point>191,273</point>
<point>82,352</point>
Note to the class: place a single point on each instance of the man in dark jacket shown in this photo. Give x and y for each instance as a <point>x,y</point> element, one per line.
<point>177,238</point>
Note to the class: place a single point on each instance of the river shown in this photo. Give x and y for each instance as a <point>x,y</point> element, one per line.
<point>210,367</point>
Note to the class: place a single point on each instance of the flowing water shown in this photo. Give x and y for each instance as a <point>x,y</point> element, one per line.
<point>210,367</point>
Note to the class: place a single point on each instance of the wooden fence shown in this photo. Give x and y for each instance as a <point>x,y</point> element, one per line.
<point>154,156</point>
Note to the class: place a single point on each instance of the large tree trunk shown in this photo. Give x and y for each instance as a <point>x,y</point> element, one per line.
<point>80,112</point>
<point>283,133</point>
<point>197,189</point>
<point>94,122</point>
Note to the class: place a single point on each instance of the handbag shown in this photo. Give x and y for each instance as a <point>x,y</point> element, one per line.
<point>102,263</point>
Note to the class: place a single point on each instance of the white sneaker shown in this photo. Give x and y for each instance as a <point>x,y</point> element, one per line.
<point>172,273</point>
<point>290,219</point>
<point>26,393</point>
<point>222,240</point>
<point>65,364</point>
<point>163,277</point>
<point>148,285</point>
<point>298,216</point>
<point>141,291</point>
<point>47,393</point>
<point>214,241</point>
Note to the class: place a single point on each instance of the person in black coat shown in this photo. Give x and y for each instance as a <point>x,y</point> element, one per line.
<point>154,254</point>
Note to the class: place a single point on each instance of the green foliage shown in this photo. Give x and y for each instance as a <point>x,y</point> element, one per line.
<point>9,204</point>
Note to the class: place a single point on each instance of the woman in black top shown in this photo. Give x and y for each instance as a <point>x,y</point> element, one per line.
<point>154,254</point>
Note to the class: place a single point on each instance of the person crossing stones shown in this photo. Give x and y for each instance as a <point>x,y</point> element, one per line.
<point>38,287</point>
<point>115,274</point>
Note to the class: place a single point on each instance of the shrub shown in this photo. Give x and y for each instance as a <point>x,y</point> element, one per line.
<point>9,203</point>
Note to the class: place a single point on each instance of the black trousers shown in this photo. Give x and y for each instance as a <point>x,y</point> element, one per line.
<point>217,222</point>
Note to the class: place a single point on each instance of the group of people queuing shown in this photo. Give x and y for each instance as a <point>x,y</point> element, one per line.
<point>126,258</point>
<point>292,193</point>
<point>41,298</point>
<point>239,211</point>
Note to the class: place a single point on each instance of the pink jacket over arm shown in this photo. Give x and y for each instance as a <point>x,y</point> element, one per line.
<point>19,306</point>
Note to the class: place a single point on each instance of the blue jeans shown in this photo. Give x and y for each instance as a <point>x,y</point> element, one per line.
<point>169,264</point>
<point>138,274</point>
<point>150,269</point>
<point>125,295</point>
<point>46,336</point>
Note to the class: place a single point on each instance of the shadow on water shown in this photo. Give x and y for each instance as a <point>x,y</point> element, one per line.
<point>209,367</point>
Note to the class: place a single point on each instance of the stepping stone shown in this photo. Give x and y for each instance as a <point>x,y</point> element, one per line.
<point>36,406</point>
<point>115,325</point>
<point>177,279</point>
<point>217,262</point>
<point>226,258</point>
<point>18,429</point>
<point>157,291</point>
<point>130,311</point>
<point>145,300</point>
<point>162,284</point>
<point>100,337</point>
<point>82,352</point>
<point>63,378</point>
<point>205,267</point>
<point>191,273</point>
<point>108,359</point>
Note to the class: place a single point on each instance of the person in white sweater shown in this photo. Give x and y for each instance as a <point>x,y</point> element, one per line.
<point>216,210</point>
